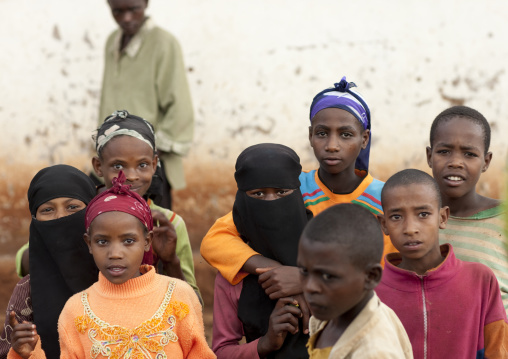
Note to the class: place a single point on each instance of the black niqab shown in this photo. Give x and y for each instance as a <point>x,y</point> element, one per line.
<point>60,263</point>
<point>271,228</point>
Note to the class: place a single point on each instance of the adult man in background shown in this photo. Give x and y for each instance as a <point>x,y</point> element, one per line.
<point>144,73</point>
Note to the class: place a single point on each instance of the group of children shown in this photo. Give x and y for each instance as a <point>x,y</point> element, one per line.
<point>329,263</point>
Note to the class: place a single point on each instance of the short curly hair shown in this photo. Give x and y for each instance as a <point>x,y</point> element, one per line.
<point>466,113</point>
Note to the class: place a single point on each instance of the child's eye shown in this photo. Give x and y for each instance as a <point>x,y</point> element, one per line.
<point>101,242</point>
<point>424,214</point>
<point>117,166</point>
<point>46,210</point>
<point>346,134</point>
<point>255,193</point>
<point>471,154</point>
<point>321,133</point>
<point>326,276</point>
<point>303,271</point>
<point>143,165</point>
<point>442,152</point>
<point>129,241</point>
<point>395,217</point>
<point>284,192</point>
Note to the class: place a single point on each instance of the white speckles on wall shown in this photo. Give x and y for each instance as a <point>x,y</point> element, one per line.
<point>254,67</point>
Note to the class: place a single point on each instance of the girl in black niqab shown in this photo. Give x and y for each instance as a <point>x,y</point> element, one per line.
<point>60,263</point>
<point>272,228</point>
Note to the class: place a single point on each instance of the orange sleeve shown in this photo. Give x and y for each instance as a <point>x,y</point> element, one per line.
<point>224,250</point>
<point>388,248</point>
<point>496,339</point>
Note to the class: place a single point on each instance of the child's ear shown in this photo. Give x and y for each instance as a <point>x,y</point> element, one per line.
<point>148,240</point>
<point>382,222</point>
<point>373,274</point>
<point>96,163</point>
<point>310,135</point>
<point>86,238</point>
<point>486,164</point>
<point>365,138</point>
<point>155,162</point>
<point>444,213</point>
<point>429,156</point>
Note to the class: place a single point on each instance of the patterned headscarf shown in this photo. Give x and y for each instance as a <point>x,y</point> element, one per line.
<point>343,97</point>
<point>121,199</point>
<point>123,123</point>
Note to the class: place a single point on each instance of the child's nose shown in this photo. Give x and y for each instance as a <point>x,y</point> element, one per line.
<point>456,161</point>
<point>131,175</point>
<point>333,144</point>
<point>115,252</point>
<point>310,285</point>
<point>411,227</point>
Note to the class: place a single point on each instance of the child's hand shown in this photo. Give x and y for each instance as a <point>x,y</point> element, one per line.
<point>280,282</point>
<point>164,238</point>
<point>24,336</point>
<point>283,319</point>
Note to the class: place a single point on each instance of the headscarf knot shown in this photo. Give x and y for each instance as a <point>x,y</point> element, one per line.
<point>343,85</point>
<point>118,184</point>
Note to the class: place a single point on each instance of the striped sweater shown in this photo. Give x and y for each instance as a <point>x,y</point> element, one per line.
<point>481,238</point>
<point>317,197</point>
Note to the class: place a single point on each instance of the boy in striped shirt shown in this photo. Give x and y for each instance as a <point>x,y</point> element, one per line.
<point>458,155</point>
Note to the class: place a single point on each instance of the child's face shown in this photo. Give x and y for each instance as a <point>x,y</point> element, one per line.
<point>130,155</point>
<point>58,208</point>
<point>337,138</point>
<point>412,218</point>
<point>128,14</point>
<point>332,284</point>
<point>269,193</point>
<point>458,157</point>
<point>117,242</point>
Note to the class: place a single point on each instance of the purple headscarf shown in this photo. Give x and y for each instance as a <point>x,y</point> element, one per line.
<point>343,97</point>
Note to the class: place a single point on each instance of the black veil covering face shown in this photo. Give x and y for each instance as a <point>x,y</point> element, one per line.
<point>271,228</point>
<point>60,263</point>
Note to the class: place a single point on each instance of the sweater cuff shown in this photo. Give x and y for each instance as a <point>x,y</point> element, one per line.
<point>164,143</point>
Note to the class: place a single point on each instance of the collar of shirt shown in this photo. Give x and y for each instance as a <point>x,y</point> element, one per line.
<point>134,45</point>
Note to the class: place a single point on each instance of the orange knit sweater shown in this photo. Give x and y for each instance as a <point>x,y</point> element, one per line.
<point>150,316</point>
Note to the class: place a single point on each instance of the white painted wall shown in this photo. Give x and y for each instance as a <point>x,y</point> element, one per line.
<point>255,67</point>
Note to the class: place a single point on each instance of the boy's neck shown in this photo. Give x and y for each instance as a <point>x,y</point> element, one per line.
<point>422,265</point>
<point>340,183</point>
<point>339,325</point>
<point>469,204</point>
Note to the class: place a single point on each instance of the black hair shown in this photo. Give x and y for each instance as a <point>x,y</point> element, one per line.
<point>351,226</point>
<point>409,177</point>
<point>466,113</point>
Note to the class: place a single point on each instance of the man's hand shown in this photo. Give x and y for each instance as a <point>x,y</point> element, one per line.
<point>283,319</point>
<point>24,336</point>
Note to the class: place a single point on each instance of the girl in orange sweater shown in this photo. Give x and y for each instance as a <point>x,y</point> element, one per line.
<point>131,312</point>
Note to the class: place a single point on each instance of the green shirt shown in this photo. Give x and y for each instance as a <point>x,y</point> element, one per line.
<point>148,79</point>
<point>481,238</point>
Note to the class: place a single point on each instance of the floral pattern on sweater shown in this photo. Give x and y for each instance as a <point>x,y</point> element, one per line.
<point>142,342</point>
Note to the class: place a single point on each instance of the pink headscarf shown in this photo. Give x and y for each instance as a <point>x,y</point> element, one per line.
<point>121,199</point>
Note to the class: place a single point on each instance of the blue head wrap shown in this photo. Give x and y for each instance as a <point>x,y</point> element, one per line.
<point>343,97</point>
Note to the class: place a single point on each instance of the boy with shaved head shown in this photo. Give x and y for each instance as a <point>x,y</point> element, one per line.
<point>450,308</point>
